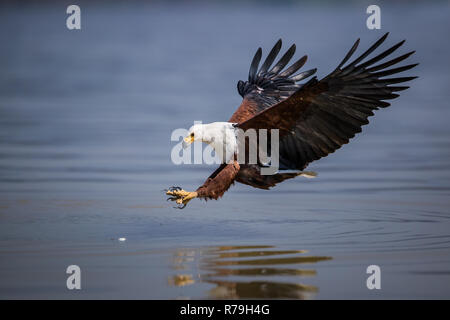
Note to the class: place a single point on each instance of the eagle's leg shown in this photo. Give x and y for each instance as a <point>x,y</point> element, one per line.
<point>250,174</point>
<point>213,188</point>
<point>180,196</point>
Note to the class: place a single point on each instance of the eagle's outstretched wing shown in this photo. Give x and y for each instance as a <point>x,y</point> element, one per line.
<point>321,116</point>
<point>268,86</point>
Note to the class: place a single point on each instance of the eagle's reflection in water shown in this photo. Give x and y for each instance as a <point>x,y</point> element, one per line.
<point>260,272</point>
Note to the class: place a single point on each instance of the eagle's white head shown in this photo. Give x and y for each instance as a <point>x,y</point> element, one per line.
<point>220,135</point>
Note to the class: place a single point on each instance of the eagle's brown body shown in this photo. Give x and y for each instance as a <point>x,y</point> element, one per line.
<point>218,183</point>
<point>314,119</point>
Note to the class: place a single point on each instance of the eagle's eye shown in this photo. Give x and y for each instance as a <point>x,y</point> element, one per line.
<point>192,135</point>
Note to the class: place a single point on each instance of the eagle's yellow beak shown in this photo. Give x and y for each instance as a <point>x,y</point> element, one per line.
<point>187,141</point>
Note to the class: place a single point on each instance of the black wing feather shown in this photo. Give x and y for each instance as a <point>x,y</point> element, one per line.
<point>337,115</point>
<point>270,58</point>
<point>268,88</point>
<point>254,65</point>
<point>321,116</point>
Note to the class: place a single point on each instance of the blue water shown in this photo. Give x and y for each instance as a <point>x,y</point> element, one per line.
<point>85,124</point>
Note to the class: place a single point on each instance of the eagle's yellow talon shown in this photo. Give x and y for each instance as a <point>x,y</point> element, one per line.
<point>182,196</point>
<point>177,193</point>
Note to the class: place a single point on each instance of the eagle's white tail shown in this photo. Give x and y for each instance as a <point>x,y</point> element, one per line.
<point>308,174</point>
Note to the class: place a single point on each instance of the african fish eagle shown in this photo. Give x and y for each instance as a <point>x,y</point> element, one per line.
<point>314,118</point>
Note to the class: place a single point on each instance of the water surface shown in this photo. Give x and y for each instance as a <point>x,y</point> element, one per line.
<point>85,123</point>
